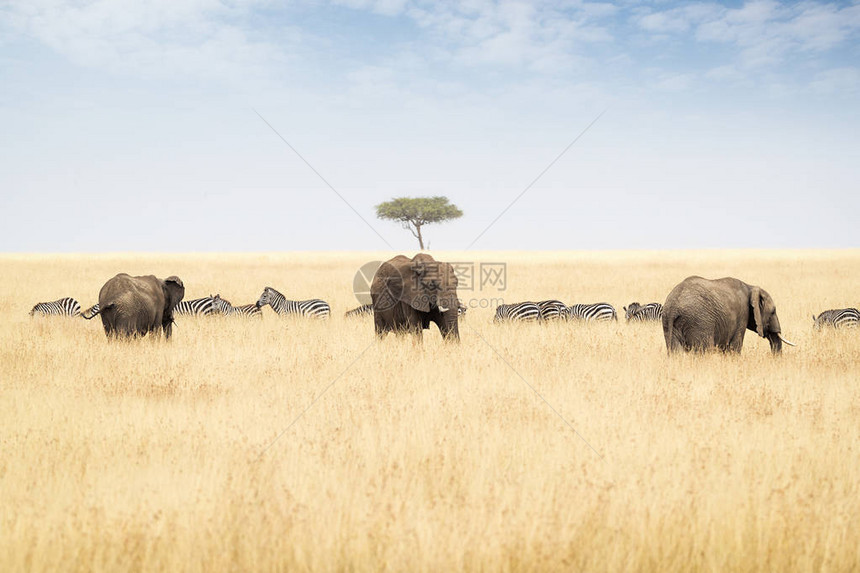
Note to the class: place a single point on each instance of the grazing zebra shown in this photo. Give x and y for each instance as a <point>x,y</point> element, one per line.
<point>197,307</point>
<point>523,311</point>
<point>363,310</point>
<point>642,313</point>
<point>64,307</point>
<point>598,311</point>
<point>314,307</point>
<point>552,309</point>
<point>91,312</point>
<point>838,318</point>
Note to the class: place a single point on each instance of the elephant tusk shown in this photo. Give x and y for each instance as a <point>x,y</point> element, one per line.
<point>786,341</point>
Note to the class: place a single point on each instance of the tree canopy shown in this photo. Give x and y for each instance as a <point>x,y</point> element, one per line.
<point>415,212</point>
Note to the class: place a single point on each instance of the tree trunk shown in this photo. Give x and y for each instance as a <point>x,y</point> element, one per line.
<point>420,239</point>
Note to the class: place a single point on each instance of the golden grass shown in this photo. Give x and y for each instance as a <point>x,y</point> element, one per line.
<point>148,455</point>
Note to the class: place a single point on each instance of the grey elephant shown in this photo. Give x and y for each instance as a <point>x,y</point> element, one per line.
<point>408,294</point>
<point>135,306</point>
<point>701,314</point>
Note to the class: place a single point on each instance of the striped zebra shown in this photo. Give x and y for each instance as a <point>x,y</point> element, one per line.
<point>197,307</point>
<point>523,311</point>
<point>552,309</point>
<point>223,306</point>
<point>363,310</point>
<point>838,318</point>
<point>64,307</point>
<point>642,313</point>
<point>91,312</point>
<point>367,310</point>
<point>314,307</point>
<point>599,311</point>
<point>248,310</point>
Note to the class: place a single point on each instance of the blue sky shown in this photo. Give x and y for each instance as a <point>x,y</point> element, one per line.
<point>133,126</point>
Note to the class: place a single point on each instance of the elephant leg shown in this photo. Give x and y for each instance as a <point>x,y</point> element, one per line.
<point>736,344</point>
<point>379,326</point>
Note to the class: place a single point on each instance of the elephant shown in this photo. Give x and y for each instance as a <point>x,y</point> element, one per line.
<point>701,314</point>
<point>408,294</point>
<point>134,306</point>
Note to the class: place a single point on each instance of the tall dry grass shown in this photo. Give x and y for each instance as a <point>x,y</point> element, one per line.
<point>293,445</point>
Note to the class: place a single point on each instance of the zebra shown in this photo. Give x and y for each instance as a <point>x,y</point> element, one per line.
<point>599,311</point>
<point>64,307</point>
<point>642,313</point>
<point>224,307</point>
<point>552,309</point>
<point>363,310</point>
<point>523,311</point>
<point>314,307</point>
<point>251,310</point>
<point>221,305</point>
<point>197,307</point>
<point>367,309</point>
<point>838,318</point>
<point>91,312</point>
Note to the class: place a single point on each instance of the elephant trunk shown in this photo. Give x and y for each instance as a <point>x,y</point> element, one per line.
<point>775,342</point>
<point>450,327</point>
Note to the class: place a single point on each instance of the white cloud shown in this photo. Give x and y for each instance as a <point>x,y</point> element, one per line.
<point>384,7</point>
<point>837,81</point>
<point>768,33</point>
<point>677,20</point>
<point>149,39</point>
<point>674,82</point>
<point>538,36</point>
<point>725,73</point>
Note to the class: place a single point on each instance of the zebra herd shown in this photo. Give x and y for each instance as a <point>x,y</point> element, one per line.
<point>547,310</point>
<point>206,306</point>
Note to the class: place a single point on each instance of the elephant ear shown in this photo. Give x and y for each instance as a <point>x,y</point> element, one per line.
<point>174,292</point>
<point>755,303</point>
<point>449,287</point>
<point>411,280</point>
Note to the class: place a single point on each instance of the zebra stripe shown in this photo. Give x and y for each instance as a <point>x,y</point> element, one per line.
<point>523,311</point>
<point>64,307</point>
<point>838,318</point>
<point>552,309</point>
<point>197,307</point>
<point>599,311</point>
<point>221,305</point>
<point>648,312</point>
<point>248,310</point>
<point>91,312</point>
<point>314,307</point>
<point>363,310</point>
<point>224,307</point>
<point>367,309</point>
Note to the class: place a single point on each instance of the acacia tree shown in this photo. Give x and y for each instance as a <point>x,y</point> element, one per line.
<point>415,212</point>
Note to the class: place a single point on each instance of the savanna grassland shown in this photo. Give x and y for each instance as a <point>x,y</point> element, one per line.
<point>277,444</point>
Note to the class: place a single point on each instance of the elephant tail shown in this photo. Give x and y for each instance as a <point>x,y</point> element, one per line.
<point>669,330</point>
<point>108,306</point>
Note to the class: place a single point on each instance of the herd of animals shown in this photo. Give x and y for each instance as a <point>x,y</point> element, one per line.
<point>408,294</point>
